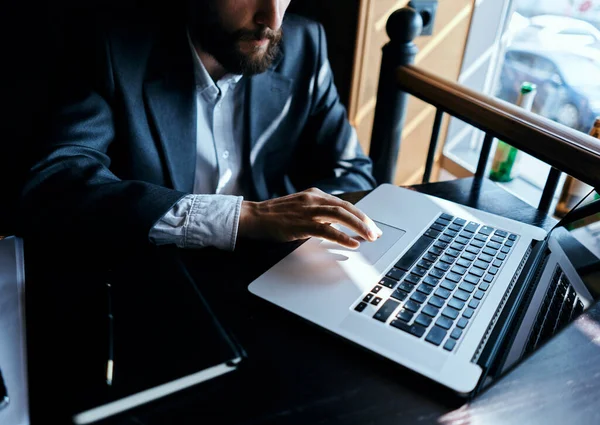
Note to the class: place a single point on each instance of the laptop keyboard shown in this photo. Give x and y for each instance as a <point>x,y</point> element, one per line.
<point>434,290</point>
<point>561,305</point>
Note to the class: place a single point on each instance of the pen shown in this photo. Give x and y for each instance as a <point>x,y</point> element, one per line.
<point>109,362</point>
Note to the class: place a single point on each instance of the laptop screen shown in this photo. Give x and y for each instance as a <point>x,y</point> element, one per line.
<point>579,236</point>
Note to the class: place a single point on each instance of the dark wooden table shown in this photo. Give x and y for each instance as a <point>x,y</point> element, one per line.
<point>296,373</point>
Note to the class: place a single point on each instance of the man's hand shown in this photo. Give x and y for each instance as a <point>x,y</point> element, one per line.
<point>305,214</point>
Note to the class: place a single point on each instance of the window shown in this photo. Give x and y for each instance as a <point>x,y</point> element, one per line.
<point>551,43</point>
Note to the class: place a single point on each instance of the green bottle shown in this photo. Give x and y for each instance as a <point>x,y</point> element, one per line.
<point>505,163</point>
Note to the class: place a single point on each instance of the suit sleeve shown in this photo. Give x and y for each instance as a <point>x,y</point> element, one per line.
<point>70,192</point>
<point>335,157</point>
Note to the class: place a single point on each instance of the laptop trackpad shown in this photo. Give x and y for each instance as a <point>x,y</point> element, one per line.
<point>370,251</point>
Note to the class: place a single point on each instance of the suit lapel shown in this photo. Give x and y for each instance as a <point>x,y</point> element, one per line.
<point>269,102</point>
<point>169,94</point>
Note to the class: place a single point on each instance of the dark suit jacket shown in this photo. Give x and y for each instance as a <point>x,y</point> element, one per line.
<point>122,147</point>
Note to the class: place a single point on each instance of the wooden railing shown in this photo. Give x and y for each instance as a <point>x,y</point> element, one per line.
<point>565,149</point>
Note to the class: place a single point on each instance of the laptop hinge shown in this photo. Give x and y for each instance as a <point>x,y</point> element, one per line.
<point>508,312</point>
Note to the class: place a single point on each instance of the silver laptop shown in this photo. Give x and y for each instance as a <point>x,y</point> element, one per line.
<point>456,294</point>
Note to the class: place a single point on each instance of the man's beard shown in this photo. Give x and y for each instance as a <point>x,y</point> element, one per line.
<point>224,46</point>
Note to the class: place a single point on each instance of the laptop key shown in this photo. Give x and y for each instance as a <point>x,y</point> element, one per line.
<point>386,310</point>
<point>430,257</point>
<point>386,281</point>
<point>368,298</point>
<point>423,320</point>
<point>452,252</point>
<point>450,233</point>
<point>419,271</point>
<point>497,239</point>
<point>442,293</point>
<point>468,313</point>
<point>457,247</point>
<point>414,253</point>
<point>501,256</point>
<point>405,286</point>
<point>480,237</point>
<point>481,264</point>
<point>449,345</point>
<point>436,301</point>
<point>447,259</point>
<point>454,277</point>
<point>412,306</point>
<point>497,263</point>
<point>459,270</point>
<point>425,289</point>
<point>440,245</point>
<point>425,264</point>
<point>450,313</point>
<point>396,273</point>
<point>477,272</point>
<point>462,323</point>
<point>376,300</point>
<point>505,250</point>
<point>470,278</point>
<point>431,280</point>
<point>460,221</point>
<point>399,295</point>
<point>437,273</point>
<point>472,227</point>
<point>484,286</point>
<point>360,306</point>
<point>430,310</point>
<point>435,251</point>
<point>501,233</point>
<point>456,303</point>
<point>442,266</point>
<point>411,278</point>
<point>474,303</point>
<point>376,289</point>
<point>462,295</point>
<point>432,233</point>
<point>464,263</point>
<point>445,238</point>
<point>456,333</point>
<point>442,222</point>
<point>405,315</point>
<point>438,227</point>
<point>478,294</point>
<point>468,256</point>
<point>446,216</point>
<point>494,245</point>
<point>493,270</point>
<point>477,244</point>
<point>461,240</point>
<point>416,330</point>
<point>473,249</point>
<point>486,230</point>
<point>512,237</point>
<point>418,297</point>
<point>444,322</point>
<point>490,251</point>
<point>455,227</point>
<point>450,286</point>
<point>466,286</point>
<point>436,335</point>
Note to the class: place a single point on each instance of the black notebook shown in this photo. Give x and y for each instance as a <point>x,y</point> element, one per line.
<point>165,339</point>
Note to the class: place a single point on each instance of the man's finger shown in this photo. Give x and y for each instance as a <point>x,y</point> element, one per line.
<point>337,214</point>
<point>355,211</point>
<point>332,234</point>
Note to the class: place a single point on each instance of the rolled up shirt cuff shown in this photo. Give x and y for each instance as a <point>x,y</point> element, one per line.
<point>199,221</point>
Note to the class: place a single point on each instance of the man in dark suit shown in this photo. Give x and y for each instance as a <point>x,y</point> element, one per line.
<point>202,132</point>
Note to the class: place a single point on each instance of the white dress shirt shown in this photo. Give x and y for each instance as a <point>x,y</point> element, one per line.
<point>210,216</point>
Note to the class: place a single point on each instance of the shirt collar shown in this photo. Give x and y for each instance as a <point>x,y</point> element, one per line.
<point>202,77</point>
